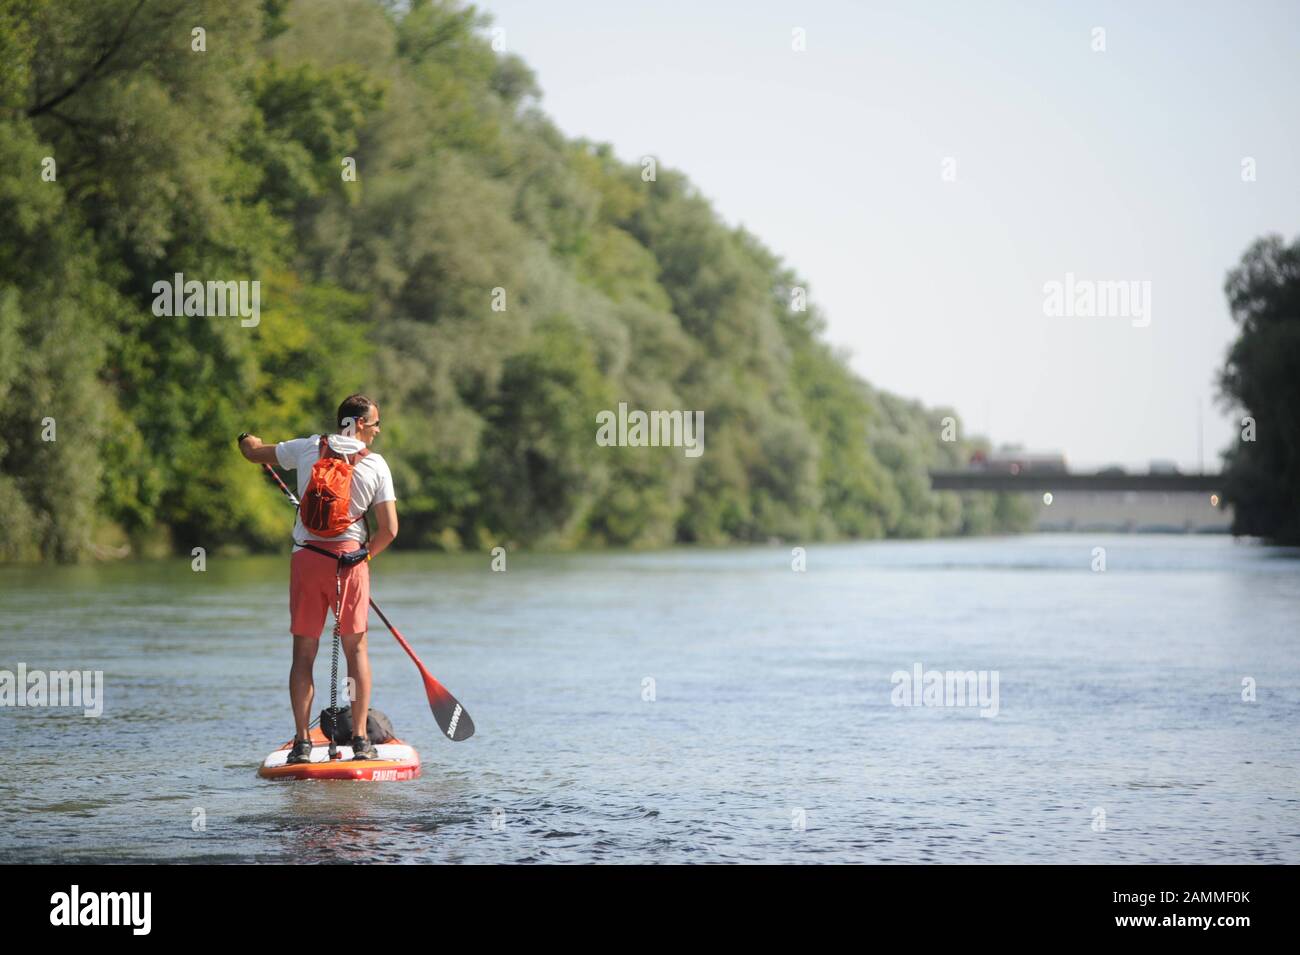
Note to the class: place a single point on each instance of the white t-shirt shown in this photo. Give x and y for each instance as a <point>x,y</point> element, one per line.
<point>372,482</point>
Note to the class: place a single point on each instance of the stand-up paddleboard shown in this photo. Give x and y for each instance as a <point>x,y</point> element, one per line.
<point>396,761</point>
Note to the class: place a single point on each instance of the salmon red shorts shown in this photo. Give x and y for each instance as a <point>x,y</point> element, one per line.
<point>312,590</point>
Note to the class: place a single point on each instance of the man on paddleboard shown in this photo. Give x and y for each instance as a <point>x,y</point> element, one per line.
<point>330,569</point>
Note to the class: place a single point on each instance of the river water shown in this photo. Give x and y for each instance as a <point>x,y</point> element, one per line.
<point>687,706</point>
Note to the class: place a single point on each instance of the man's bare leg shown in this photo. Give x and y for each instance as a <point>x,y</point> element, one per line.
<point>301,687</point>
<point>354,648</point>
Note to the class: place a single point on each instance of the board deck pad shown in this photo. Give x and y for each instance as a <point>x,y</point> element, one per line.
<point>397,761</point>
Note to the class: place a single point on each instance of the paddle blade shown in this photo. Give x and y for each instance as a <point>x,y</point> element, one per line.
<point>447,711</point>
<point>450,715</point>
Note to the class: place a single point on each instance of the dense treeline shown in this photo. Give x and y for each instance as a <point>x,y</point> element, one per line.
<point>1261,379</point>
<point>133,147</point>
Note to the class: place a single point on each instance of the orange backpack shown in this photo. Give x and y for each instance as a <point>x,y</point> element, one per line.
<point>325,503</point>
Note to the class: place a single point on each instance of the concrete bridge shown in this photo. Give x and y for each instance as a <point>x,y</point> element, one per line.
<point>1184,503</point>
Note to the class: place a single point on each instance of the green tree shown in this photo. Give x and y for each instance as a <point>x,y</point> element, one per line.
<point>1261,380</point>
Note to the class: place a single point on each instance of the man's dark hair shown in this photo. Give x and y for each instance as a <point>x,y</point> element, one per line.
<point>356,407</point>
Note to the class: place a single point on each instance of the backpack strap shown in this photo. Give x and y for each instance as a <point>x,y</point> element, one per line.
<point>321,550</point>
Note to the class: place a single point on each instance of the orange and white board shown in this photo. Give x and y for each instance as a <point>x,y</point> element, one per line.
<point>397,761</point>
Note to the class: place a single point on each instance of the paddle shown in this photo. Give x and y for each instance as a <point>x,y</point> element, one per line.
<point>451,716</point>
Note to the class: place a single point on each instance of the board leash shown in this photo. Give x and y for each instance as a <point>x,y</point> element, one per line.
<point>334,662</point>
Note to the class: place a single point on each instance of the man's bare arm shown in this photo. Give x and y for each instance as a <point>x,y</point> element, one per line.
<point>254,450</point>
<point>386,516</point>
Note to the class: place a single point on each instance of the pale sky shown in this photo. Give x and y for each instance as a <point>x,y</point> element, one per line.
<point>1122,165</point>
